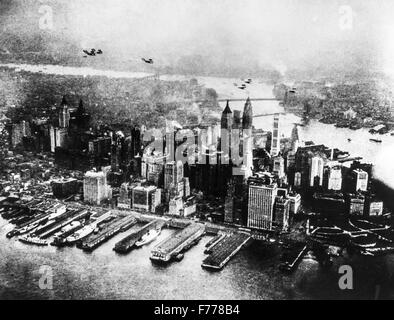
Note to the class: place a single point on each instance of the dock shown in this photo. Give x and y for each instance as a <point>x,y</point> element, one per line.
<point>295,255</point>
<point>127,243</point>
<point>224,250</point>
<point>79,214</point>
<point>178,242</point>
<point>107,232</point>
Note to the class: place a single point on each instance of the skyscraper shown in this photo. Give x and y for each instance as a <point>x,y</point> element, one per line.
<point>275,142</point>
<point>247,125</point>
<point>227,118</point>
<point>360,179</point>
<point>95,187</point>
<point>261,206</point>
<point>334,175</point>
<point>64,114</point>
<point>316,171</point>
<point>173,174</point>
<point>294,139</point>
<point>226,125</point>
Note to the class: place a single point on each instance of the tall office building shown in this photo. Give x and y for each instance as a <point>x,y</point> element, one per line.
<point>173,173</point>
<point>360,180</point>
<point>229,203</point>
<point>64,114</point>
<point>316,171</point>
<point>294,138</point>
<point>247,126</point>
<point>282,213</point>
<point>95,187</point>
<point>146,198</point>
<point>275,140</point>
<point>261,206</point>
<point>334,178</point>
<point>278,166</point>
<point>226,125</point>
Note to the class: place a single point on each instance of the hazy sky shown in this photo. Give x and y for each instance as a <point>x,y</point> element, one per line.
<point>279,32</point>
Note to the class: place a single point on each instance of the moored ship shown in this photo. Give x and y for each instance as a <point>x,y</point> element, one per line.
<point>148,237</point>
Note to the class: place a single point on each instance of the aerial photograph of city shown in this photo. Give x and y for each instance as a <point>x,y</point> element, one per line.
<point>196,150</point>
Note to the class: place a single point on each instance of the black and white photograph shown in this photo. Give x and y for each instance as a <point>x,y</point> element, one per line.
<point>196,150</point>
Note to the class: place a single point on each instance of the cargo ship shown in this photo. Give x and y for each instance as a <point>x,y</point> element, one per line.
<point>80,234</point>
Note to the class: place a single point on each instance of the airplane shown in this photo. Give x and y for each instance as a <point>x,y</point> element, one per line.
<point>90,53</point>
<point>150,60</point>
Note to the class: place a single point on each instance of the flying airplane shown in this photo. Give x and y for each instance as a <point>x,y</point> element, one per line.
<point>92,52</point>
<point>150,60</point>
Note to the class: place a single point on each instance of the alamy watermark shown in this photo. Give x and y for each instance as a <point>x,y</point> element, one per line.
<point>45,21</point>
<point>203,147</point>
<point>45,281</point>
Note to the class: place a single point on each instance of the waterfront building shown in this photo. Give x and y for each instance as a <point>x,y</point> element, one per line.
<point>63,188</point>
<point>190,207</point>
<point>356,204</point>
<point>375,208</point>
<point>261,205</point>
<point>95,187</point>
<point>146,198</point>
<point>360,180</point>
<point>175,206</point>
<point>124,199</point>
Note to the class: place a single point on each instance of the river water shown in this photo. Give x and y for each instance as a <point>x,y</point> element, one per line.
<point>252,274</point>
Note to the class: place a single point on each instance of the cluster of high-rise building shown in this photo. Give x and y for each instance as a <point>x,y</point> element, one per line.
<point>255,175</point>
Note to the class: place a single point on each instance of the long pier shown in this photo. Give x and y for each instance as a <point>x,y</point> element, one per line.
<point>178,242</point>
<point>79,214</point>
<point>224,250</point>
<point>127,243</point>
<point>108,232</point>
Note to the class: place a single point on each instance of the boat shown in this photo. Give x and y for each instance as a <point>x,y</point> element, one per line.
<point>376,140</point>
<point>80,234</point>
<point>33,240</point>
<point>148,237</point>
<point>179,257</point>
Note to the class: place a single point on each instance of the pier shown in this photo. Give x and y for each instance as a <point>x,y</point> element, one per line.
<point>294,256</point>
<point>224,250</point>
<point>127,243</point>
<point>178,242</point>
<point>78,214</point>
<point>107,232</point>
